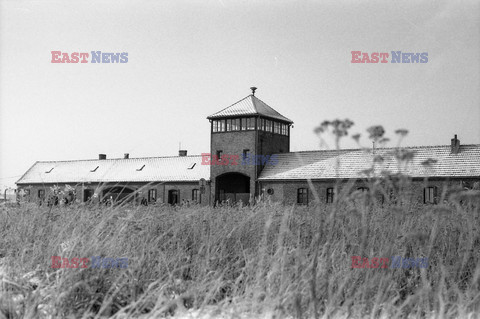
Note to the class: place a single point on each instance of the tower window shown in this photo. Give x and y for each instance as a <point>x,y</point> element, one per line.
<point>246,153</point>
<point>221,125</point>
<point>248,124</point>
<point>251,123</point>
<point>268,126</point>
<point>276,127</point>
<point>219,157</point>
<point>261,124</point>
<point>236,125</point>
<point>229,125</point>
<point>302,196</point>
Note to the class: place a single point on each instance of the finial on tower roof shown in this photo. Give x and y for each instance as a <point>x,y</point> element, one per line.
<point>253,90</point>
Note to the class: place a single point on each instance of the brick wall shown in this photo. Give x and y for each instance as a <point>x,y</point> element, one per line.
<point>286,191</point>
<point>184,189</point>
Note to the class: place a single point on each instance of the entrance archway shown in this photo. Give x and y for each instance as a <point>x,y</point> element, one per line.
<point>232,187</point>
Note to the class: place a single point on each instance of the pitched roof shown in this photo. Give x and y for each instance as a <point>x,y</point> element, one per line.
<point>354,163</point>
<point>250,105</point>
<point>148,169</point>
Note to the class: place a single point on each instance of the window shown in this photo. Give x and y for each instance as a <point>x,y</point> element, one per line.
<point>221,126</point>
<point>218,158</point>
<point>41,194</point>
<point>261,124</point>
<point>214,126</point>
<point>246,154</point>
<point>251,123</point>
<point>236,125</point>
<point>302,196</point>
<point>229,125</point>
<point>195,195</point>
<point>268,126</point>
<point>152,195</point>
<point>329,195</point>
<point>244,124</point>
<point>429,195</point>
<point>276,127</point>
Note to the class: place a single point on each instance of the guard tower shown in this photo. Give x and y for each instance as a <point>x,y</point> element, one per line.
<point>243,138</point>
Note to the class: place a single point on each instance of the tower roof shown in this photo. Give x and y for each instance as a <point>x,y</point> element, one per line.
<point>250,105</point>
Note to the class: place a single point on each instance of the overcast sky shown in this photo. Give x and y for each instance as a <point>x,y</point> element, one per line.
<point>189,59</point>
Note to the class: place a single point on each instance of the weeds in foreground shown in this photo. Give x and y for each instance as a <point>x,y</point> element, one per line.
<point>266,259</point>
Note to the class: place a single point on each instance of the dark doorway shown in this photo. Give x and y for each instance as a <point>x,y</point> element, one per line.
<point>233,187</point>
<point>173,197</point>
<point>87,195</point>
<point>118,194</point>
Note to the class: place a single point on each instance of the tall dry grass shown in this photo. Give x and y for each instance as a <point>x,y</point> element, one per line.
<point>267,260</point>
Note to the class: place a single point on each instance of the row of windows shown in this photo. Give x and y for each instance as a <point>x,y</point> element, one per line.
<point>173,196</point>
<point>152,195</point>
<point>302,195</point>
<point>248,124</point>
<point>429,195</point>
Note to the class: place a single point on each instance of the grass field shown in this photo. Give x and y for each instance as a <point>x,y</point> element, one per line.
<point>265,261</point>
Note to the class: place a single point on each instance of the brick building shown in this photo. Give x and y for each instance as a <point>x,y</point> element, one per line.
<point>250,153</point>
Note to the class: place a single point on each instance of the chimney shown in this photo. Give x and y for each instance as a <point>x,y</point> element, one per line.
<point>126,156</point>
<point>182,153</point>
<point>102,156</point>
<point>253,90</point>
<point>455,146</point>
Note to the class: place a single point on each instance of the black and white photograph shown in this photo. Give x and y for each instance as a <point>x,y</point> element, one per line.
<point>239,159</point>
